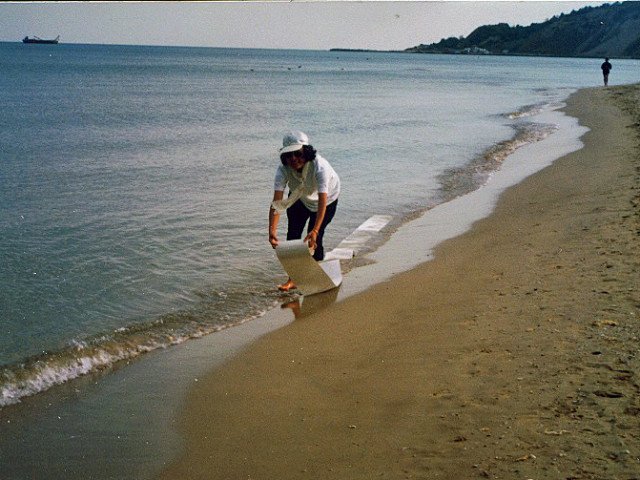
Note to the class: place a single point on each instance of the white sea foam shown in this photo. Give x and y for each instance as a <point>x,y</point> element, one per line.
<point>81,358</point>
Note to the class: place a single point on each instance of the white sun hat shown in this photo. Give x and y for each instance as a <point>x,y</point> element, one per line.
<point>293,141</point>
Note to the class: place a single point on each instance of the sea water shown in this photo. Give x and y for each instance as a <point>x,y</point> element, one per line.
<point>135,181</point>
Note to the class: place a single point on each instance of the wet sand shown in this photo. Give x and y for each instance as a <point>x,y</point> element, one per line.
<point>514,354</point>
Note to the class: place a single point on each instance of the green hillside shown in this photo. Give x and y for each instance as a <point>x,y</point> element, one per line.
<point>611,30</point>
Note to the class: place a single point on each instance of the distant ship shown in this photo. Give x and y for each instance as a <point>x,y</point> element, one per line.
<point>40,40</point>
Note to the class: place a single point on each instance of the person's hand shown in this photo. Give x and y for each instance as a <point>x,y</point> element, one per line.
<point>312,239</point>
<point>273,240</point>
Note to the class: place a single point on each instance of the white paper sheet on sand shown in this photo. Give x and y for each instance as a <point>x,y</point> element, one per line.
<point>350,246</point>
<point>309,276</point>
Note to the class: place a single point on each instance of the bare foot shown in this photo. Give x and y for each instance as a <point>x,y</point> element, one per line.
<point>285,287</point>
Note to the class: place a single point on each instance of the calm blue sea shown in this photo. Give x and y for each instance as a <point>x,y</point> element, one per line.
<point>135,181</point>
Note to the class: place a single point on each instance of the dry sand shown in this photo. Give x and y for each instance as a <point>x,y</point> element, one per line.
<point>514,354</point>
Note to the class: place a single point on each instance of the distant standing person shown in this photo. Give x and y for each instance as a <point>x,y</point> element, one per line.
<point>606,68</point>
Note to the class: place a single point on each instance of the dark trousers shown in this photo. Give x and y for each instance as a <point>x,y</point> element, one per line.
<point>297,216</point>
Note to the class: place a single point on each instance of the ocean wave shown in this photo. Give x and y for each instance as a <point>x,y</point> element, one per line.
<point>461,180</point>
<point>102,352</point>
<point>525,111</point>
<point>530,110</point>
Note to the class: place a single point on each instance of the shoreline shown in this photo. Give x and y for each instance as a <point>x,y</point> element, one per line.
<point>400,378</point>
<point>102,356</point>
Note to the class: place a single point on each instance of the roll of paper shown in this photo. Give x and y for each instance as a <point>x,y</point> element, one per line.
<point>309,276</point>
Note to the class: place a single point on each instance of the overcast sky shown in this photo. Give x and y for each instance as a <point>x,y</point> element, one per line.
<point>316,25</point>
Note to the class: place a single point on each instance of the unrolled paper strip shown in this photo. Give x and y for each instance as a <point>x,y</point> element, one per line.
<point>309,276</point>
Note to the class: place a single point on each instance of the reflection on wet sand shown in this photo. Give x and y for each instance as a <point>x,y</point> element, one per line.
<point>304,306</point>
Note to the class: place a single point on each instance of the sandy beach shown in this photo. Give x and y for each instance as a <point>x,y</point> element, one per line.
<point>514,354</point>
